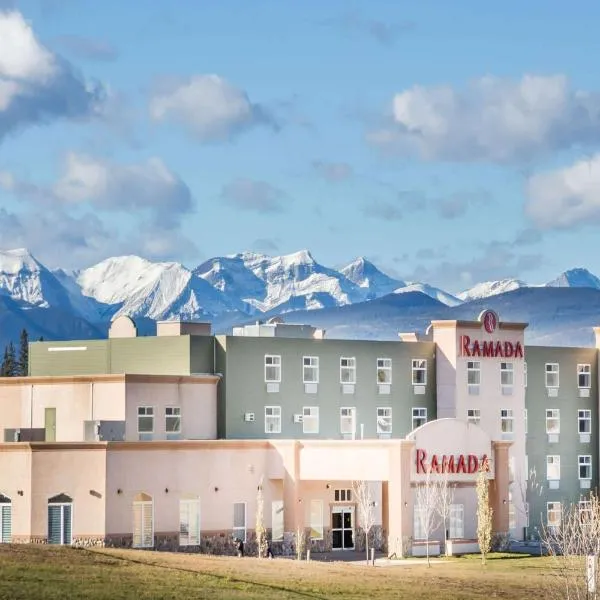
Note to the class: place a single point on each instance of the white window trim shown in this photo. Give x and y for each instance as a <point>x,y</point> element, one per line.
<point>587,419</point>
<point>511,370</point>
<point>245,528</point>
<point>145,406</point>
<point>554,510</point>
<point>351,369</point>
<point>143,503</point>
<point>314,417</point>
<point>272,417</point>
<point>525,374</point>
<point>526,420</point>
<point>580,464</point>
<point>280,368</point>
<point>171,417</point>
<point>385,370</point>
<point>474,370</point>
<point>312,367</point>
<point>508,418</point>
<point>474,419</point>
<point>418,369</point>
<point>353,417</point>
<point>588,373</point>
<point>387,417</point>
<point>557,373</point>
<point>553,418</point>
<point>61,505</point>
<point>414,408</point>
<point>195,502</point>
<point>554,463</point>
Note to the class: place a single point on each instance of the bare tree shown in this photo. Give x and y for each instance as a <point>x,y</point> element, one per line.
<point>572,533</point>
<point>445,498</point>
<point>262,544</point>
<point>527,489</point>
<point>484,512</point>
<point>365,505</point>
<point>300,542</point>
<point>426,505</point>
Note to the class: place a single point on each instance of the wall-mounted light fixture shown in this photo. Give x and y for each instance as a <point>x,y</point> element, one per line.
<point>119,491</point>
<point>166,490</point>
<point>20,492</point>
<point>504,501</point>
<point>216,489</point>
<point>95,494</point>
<point>327,486</point>
<point>405,504</point>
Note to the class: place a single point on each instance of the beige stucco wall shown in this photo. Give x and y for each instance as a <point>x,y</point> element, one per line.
<point>15,476</point>
<point>81,474</point>
<point>198,403</point>
<point>12,400</point>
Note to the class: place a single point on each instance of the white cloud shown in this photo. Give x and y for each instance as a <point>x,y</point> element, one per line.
<point>494,119</point>
<point>210,107</point>
<point>35,84</point>
<point>147,186</point>
<point>565,197</point>
<point>258,196</point>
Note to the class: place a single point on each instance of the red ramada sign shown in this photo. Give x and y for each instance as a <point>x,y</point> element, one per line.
<point>450,463</point>
<point>490,348</point>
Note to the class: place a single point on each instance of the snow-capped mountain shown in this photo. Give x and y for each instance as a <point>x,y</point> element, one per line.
<point>24,279</point>
<point>358,301</point>
<point>429,290</point>
<point>490,288</point>
<point>139,288</point>
<point>288,282</point>
<point>366,275</point>
<point>576,278</point>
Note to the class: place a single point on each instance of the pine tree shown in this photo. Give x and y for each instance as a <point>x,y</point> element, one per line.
<point>3,370</point>
<point>23,366</point>
<point>10,365</point>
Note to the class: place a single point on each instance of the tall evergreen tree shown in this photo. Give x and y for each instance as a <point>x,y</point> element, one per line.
<point>3,369</point>
<point>23,366</point>
<point>10,364</point>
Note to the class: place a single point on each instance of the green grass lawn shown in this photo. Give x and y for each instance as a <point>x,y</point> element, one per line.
<point>48,572</point>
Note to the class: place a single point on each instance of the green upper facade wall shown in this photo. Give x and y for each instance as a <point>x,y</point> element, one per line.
<point>163,355</point>
<point>242,362</point>
<point>568,444</point>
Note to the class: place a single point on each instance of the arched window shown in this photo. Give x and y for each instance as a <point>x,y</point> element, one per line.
<point>5,519</point>
<point>143,521</point>
<point>189,520</point>
<point>60,519</point>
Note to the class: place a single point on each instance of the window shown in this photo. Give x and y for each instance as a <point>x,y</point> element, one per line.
<point>525,374</point>
<point>316,519</point>
<point>585,510</point>
<point>347,421</point>
<point>473,372</point>
<point>584,376</point>
<point>189,522</point>
<point>584,417</point>
<point>419,517</point>
<point>5,520</point>
<point>143,521</point>
<point>506,423</point>
<point>512,515</point>
<point>585,467</point>
<point>60,519</point>
<point>347,370</point>
<point>272,419</point>
<point>173,422</point>
<point>419,417</point>
<point>277,520</point>
<point>272,369</point>
<point>474,416</point>
<point>525,420</point>
<point>384,420</point>
<point>419,371</point>
<point>310,419</point>
<point>384,370</point>
<point>553,467</point>
<point>457,521</point>
<point>551,375</point>
<point>310,369</point>
<point>239,521</point>
<point>553,514</point>
<point>507,375</point>
<point>343,495</point>
<point>145,422</point>
<point>552,420</point>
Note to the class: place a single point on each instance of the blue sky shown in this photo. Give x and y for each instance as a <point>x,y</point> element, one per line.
<point>448,142</point>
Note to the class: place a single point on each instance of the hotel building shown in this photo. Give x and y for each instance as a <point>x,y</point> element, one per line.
<point>163,441</point>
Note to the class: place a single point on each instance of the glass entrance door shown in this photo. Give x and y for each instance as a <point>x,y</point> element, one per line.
<point>342,528</point>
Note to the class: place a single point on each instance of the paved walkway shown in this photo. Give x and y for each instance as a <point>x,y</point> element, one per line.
<point>358,558</point>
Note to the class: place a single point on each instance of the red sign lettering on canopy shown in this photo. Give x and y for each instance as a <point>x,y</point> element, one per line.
<point>461,463</point>
<point>490,349</point>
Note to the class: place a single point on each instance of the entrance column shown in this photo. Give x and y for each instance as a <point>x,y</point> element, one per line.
<point>293,509</point>
<point>397,500</point>
<point>499,497</point>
